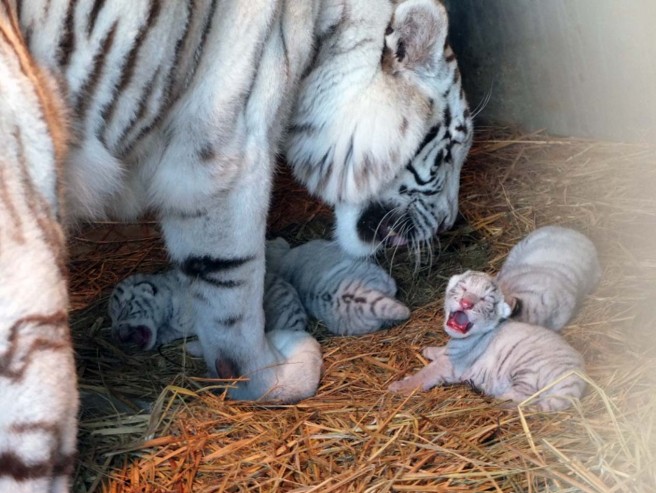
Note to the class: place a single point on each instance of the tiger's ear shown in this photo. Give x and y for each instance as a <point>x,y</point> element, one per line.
<point>455,279</point>
<point>504,310</point>
<point>146,288</point>
<point>417,33</point>
<point>515,305</point>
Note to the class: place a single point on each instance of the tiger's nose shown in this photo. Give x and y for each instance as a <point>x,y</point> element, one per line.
<point>466,303</point>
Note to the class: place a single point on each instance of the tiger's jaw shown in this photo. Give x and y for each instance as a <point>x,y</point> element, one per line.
<point>458,324</point>
<point>362,229</point>
<point>140,335</point>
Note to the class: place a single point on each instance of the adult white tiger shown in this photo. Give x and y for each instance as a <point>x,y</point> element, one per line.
<point>114,108</point>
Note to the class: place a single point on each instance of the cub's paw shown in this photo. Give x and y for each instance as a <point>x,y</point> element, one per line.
<point>432,352</point>
<point>405,386</point>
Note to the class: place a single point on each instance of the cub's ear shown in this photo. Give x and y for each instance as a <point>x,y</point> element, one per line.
<point>504,310</point>
<point>146,288</point>
<point>453,280</point>
<point>514,304</point>
<point>417,33</point>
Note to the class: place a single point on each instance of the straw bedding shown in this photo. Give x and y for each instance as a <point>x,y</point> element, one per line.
<point>151,423</point>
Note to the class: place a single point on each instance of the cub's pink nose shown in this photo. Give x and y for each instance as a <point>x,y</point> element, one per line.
<point>466,304</point>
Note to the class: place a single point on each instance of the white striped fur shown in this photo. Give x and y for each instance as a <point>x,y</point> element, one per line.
<point>352,296</point>
<point>398,125</point>
<point>112,109</point>
<point>148,310</point>
<point>505,359</point>
<point>546,276</point>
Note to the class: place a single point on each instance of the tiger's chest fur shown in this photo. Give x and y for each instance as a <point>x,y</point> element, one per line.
<point>143,80</point>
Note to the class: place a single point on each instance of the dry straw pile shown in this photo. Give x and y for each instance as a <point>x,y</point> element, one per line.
<point>149,423</point>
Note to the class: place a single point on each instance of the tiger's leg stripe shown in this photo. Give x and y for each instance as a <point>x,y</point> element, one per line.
<point>10,207</point>
<point>201,266</point>
<point>229,321</point>
<point>147,92</point>
<point>12,15</point>
<point>164,109</point>
<point>84,97</point>
<point>228,284</point>
<point>205,268</point>
<point>13,466</point>
<point>62,465</point>
<point>51,114</point>
<point>67,42</point>
<point>146,97</point>
<point>180,47</point>
<point>57,340</point>
<point>200,48</point>
<point>93,15</point>
<point>129,63</point>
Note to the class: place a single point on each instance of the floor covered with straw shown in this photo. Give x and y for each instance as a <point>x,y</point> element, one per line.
<point>151,423</point>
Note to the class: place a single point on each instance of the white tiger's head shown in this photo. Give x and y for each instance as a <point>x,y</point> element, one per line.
<point>136,312</point>
<point>382,128</point>
<point>473,304</point>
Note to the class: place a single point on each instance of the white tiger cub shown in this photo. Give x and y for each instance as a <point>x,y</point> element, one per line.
<point>503,358</point>
<point>351,296</point>
<point>149,310</point>
<point>178,108</point>
<point>546,276</point>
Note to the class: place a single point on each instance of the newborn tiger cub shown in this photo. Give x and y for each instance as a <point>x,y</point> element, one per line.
<point>351,296</point>
<point>149,310</point>
<point>546,276</point>
<point>503,358</point>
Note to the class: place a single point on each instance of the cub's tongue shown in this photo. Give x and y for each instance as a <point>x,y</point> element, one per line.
<point>459,321</point>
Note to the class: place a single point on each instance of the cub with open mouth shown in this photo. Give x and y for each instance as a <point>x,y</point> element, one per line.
<point>503,358</point>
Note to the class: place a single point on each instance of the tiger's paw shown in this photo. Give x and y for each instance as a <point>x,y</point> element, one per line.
<point>433,352</point>
<point>405,386</point>
<point>293,377</point>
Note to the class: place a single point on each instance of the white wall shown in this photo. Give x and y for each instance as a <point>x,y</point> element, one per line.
<point>575,67</point>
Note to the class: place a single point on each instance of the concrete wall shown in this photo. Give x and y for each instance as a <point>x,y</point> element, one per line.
<point>574,67</point>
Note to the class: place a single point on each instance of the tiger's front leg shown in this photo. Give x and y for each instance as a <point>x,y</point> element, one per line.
<point>439,371</point>
<point>38,394</point>
<point>220,249</point>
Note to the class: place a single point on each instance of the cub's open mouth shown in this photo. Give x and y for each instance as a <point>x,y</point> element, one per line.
<point>139,335</point>
<point>459,321</point>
